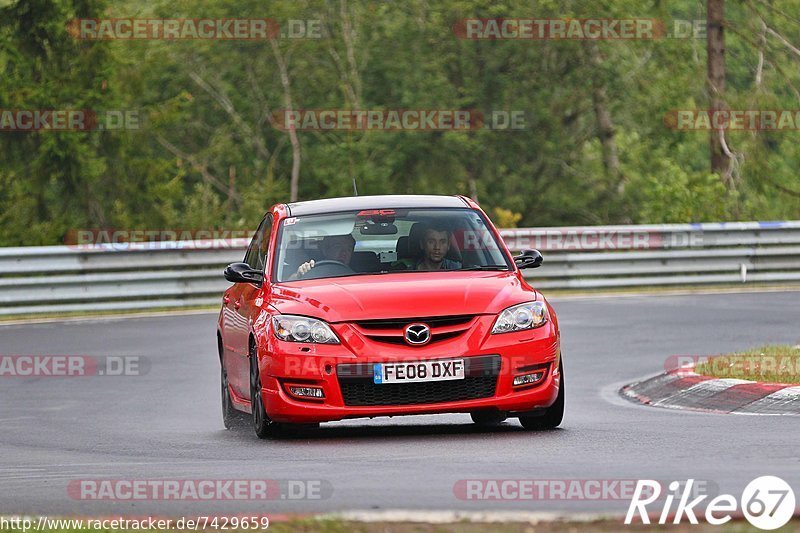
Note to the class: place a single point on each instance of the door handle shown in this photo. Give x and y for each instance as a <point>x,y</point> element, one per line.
<point>237,304</point>
<point>226,299</point>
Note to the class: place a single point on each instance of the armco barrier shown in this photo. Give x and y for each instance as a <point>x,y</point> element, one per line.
<point>41,279</point>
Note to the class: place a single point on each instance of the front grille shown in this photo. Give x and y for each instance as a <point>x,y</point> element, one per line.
<point>480,381</point>
<point>400,323</point>
<point>391,330</point>
<point>394,339</point>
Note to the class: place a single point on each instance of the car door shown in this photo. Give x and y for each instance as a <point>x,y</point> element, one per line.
<point>245,309</point>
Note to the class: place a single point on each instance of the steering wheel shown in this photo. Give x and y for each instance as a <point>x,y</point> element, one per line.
<point>326,268</point>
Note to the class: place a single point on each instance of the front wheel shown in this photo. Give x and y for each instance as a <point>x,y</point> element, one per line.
<point>231,418</point>
<point>264,427</point>
<point>552,416</point>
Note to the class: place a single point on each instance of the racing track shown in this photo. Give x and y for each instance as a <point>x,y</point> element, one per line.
<point>166,424</point>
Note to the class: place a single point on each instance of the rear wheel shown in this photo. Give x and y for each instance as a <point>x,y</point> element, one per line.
<point>488,418</point>
<point>552,416</point>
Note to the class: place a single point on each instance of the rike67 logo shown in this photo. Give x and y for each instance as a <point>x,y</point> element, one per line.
<point>767,503</point>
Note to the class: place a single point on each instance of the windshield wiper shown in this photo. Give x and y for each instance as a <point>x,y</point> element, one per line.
<point>486,267</point>
<point>473,268</point>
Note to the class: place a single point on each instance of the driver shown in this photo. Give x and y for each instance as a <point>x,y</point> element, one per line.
<point>334,248</point>
<point>435,243</point>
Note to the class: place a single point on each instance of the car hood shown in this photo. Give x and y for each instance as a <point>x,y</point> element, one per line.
<point>403,295</point>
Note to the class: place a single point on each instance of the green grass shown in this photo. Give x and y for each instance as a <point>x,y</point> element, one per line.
<point>774,363</point>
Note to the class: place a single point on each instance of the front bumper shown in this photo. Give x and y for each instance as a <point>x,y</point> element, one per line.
<point>332,366</point>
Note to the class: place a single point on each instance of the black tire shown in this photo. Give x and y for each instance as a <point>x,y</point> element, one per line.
<point>263,426</point>
<point>551,417</point>
<point>488,418</point>
<point>231,417</point>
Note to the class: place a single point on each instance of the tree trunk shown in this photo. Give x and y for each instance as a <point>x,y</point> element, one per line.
<point>605,125</point>
<point>715,48</point>
<point>287,100</point>
<point>231,192</point>
<point>473,188</point>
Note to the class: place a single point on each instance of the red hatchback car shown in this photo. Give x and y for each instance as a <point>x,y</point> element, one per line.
<point>383,306</point>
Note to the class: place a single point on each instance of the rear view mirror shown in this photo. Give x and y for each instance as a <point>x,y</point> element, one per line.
<point>377,227</point>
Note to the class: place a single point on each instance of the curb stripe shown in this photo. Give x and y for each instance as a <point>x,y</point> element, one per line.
<point>658,387</point>
<point>738,396</point>
<point>683,389</point>
<point>683,383</point>
<point>700,393</point>
<point>783,401</point>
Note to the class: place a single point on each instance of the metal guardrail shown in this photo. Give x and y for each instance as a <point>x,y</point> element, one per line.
<point>181,274</point>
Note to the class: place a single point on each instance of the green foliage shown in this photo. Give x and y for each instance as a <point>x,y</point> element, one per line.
<point>505,218</point>
<point>207,156</point>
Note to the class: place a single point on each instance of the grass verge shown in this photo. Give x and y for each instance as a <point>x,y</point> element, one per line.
<point>773,363</point>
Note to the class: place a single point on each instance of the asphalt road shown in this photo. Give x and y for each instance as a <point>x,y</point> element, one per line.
<point>166,424</point>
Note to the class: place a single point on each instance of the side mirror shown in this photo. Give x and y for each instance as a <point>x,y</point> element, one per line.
<point>529,259</point>
<point>242,273</point>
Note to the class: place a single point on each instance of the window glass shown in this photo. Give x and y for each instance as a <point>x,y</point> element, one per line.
<point>256,255</point>
<point>379,241</point>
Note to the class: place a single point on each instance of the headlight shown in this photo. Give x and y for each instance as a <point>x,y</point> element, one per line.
<point>303,329</point>
<point>519,317</point>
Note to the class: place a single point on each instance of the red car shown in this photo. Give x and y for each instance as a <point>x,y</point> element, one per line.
<point>384,306</point>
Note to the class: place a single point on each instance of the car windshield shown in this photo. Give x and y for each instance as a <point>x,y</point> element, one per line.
<point>379,241</point>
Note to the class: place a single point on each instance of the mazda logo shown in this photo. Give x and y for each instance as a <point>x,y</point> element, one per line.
<point>417,334</point>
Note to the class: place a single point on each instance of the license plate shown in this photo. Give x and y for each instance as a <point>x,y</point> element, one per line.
<point>418,371</point>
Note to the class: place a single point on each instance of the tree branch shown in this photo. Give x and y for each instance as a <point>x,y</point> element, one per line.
<point>226,104</point>
<point>200,167</point>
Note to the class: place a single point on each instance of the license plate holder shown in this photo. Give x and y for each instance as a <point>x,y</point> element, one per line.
<point>418,371</point>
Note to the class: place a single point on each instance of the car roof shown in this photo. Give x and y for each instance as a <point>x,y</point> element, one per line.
<point>388,201</point>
